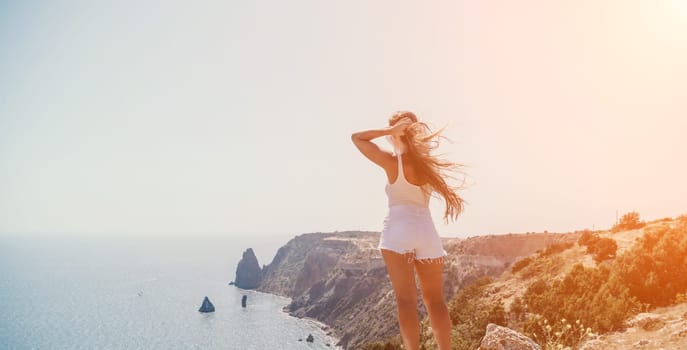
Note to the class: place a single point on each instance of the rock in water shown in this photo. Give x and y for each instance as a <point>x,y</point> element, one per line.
<point>207,306</point>
<point>502,338</point>
<point>248,272</point>
<point>243,300</point>
<point>310,338</point>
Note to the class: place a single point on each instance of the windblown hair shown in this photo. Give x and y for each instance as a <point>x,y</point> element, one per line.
<point>420,141</point>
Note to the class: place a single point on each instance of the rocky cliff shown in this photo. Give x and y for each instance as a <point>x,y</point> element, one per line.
<point>340,278</point>
<point>248,272</point>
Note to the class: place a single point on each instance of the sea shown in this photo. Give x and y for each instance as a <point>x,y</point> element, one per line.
<point>128,291</point>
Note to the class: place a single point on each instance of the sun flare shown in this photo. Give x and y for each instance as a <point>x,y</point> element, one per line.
<point>680,8</point>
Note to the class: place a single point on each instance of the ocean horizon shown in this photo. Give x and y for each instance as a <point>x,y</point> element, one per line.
<point>142,292</point>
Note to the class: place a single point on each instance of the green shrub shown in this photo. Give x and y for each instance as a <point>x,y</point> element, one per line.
<point>629,221</point>
<point>601,248</point>
<point>604,249</point>
<point>556,248</point>
<point>592,295</point>
<point>655,270</point>
<point>521,264</point>
<point>587,238</point>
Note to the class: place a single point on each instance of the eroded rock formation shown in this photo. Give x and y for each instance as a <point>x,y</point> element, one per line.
<point>248,271</point>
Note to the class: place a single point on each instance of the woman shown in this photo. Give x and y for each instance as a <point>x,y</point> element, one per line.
<point>409,241</point>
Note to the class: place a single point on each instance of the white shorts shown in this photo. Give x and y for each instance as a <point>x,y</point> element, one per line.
<point>410,229</point>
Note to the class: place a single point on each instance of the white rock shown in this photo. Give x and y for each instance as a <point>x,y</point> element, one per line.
<point>502,338</point>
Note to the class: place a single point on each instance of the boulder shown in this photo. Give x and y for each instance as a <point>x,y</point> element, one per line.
<point>310,338</point>
<point>207,306</point>
<point>502,338</point>
<point>243,300</point>
<point>248,271</point>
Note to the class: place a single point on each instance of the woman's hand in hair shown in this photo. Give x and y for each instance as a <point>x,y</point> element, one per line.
<point>399,128</point>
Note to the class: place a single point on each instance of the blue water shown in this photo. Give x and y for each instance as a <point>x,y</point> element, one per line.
<point>69,292</point>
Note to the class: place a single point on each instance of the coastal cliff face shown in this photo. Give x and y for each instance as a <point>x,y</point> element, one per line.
<point>336,278</point>
<point>340,278</point>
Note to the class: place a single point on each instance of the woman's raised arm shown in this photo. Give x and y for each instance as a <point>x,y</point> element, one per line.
<point>363,140</point>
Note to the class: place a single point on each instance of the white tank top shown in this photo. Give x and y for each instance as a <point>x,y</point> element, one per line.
<point>403,192</point>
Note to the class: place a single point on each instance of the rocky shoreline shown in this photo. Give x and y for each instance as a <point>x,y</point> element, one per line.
<point>330,337</point>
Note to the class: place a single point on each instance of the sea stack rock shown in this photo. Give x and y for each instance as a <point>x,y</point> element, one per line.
<point>207,306</point>
<point>243,300</point>
<point>248,272</point>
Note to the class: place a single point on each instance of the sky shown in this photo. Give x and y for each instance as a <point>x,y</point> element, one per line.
<point>234,118</point>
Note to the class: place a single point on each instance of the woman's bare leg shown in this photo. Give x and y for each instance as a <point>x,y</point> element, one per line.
<point>429,273</point>
<point>402,276</point>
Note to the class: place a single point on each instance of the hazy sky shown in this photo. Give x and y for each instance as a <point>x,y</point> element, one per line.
<point>235,117</point>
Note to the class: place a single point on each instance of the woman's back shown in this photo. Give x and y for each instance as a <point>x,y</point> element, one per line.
<point>401,191</point>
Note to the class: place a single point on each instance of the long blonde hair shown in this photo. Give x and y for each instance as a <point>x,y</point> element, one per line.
<point>420,141</point>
